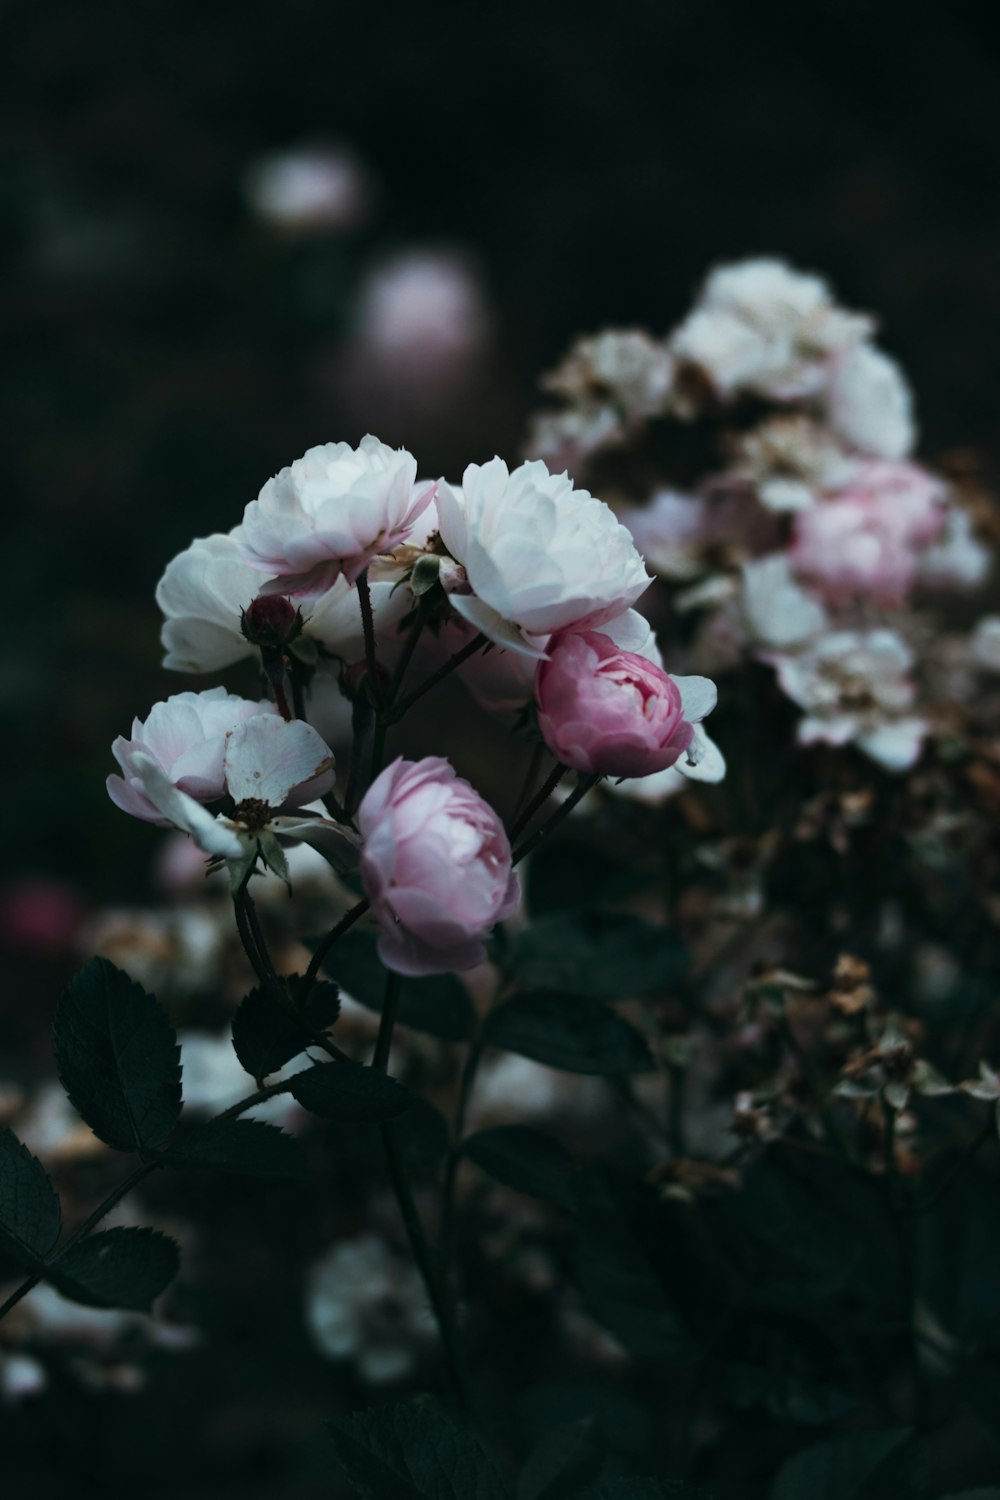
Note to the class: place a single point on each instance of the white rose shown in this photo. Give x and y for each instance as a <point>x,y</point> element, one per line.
<point>869,403</point>
<point>186,738</point>
<point>330,513</point>
<point>205,589</point>
<point>538,555</point>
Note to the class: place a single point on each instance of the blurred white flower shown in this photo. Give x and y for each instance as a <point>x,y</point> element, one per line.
<point>855,688</point>
<point>958,559</point>
<point>789,460</point>
<point>308,188</point>
<point>984,643</point>
<point>777,611</point>
<point>623,368</point>
<point>180,950</point>
<point>368,1305</point>
<point>213,1079</point>
<point>539,556</point>
<point>761,327</point>
<point>869,403</point>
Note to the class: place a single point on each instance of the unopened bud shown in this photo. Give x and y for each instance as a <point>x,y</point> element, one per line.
<point>271,620</point>
<point>424,574</point>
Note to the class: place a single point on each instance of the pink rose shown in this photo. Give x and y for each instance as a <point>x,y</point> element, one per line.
<point>436,865</point>
<point>864,542</point>
<point>610,712</point>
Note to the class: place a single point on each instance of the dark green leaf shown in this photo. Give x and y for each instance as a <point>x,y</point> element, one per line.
<point>577,1035</point>
<point>118,1268</point>
<point>599,954</point>
<point>560,1462</point>
<point>349,1092</point>
<point>621,1288</point>
<point>249,1147</point>
<point>266,1037</point>
<point>641,1487</point>
<point>525,1160</point>
<point>438,1004</point>
<point>415,1451</point>
<point>29,1207</point>
<point>847,1468</point>
<point>118,1058</point>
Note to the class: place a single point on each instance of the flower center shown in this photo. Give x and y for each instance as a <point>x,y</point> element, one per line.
<point>253,814</point>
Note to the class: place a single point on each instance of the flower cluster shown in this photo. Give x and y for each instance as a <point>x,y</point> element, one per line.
<point>332,575</point>
<point>816,543</point>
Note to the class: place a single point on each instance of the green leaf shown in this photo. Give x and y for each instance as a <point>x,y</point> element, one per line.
<point>415,1451</point>
<point>251,1148</point>
<point>118,1058</point>
<point>641,1487</point>
<point>576,1035</point>
<point>29,1206</point>
<point>266,1037</point>
<point>350,1092</point>
<point>119,1268</point>
<point>561,1460</point>
<point>848,1467</point>
<point>621,1288</point>
<point>438,1004</point>
<point>527,1161</point>
<point>602,955</point>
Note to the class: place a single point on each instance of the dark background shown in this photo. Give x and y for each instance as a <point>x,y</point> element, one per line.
<point>163,354</point>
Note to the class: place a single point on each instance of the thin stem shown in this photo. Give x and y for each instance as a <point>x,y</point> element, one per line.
<point>429,1266</point>
<point>368,627</point>
<point>390,1006</point>
<point>246,935</point>
<point>469,1072</point>
<point>543,794</point>
<point>406,655</point>
<point>272,659</point>
<point>346,922</point>
<point>562,812</point>
<point>905,1256</point>
<point>257,932</point>
<point>298,692</point>
<point>469,649</point>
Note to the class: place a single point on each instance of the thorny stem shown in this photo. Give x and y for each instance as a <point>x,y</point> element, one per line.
<point>368,627</point>
<point>123,1189</point>
<point>523,818</point>
<point>469,649</point>
<point>406,655</point>
<point>561,813</point>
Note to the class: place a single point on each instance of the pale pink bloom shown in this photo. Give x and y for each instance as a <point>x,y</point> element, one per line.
<point>330,513</point>
<point>436,866</point>
<point>539,556</point>
<point>272,770</point>
<point>609,712</point>
<point>186,738</point>
<point>864,542</point>
<point>423,309</point>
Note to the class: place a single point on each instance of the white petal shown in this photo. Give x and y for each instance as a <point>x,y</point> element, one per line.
<point>267,759</point>
<point>213,835</point>
<point>499,630</point>
<point>703,761</point>
<point>338,845</point>
<point>699,695</point>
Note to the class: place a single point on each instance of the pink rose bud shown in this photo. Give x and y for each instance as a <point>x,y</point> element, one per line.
<point>271,620</point>
<point>436,866</point>
<point>606,711</point>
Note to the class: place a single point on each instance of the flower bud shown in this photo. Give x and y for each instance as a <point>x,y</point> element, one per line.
<point>271,620</point>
